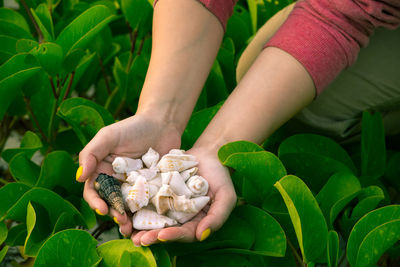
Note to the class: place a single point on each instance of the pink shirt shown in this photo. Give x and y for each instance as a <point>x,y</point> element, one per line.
<point>324,35</point>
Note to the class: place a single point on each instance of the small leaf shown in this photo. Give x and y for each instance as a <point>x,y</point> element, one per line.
<point>112,252</point>
<point>46,35</point>
<point>25,45</point>
<point>369,199</point>
<point>226,60</point>
<point>13,74</point>
<point>24,170</point>
<point>17,235</point>
<point>373,148</point>
<point>237,147</point>
<point>161,256</point>
<point>314,158</point>
<point>333,249</point>
<point>42,11</point>
<point>72,60</point>
<point>253,6</point>
<point>139,14</point>
<point>3,253</point>
<point>372,235</point>
<point>215,86</point>
<point>30,143</point>
<point>214,259</point>
<point>50,57</point>
<point>7,48</point>
<point>392,171</point>
<point>14,17</point>
<point>340,189</point>
<point>69,248</point>
<point>9,195</point>
<point>3,232</point>
<point>307,218</point>
<point>238,28</point>
<point>84,28</point>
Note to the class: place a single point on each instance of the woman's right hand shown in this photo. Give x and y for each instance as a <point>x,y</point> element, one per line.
<point>132,138</point>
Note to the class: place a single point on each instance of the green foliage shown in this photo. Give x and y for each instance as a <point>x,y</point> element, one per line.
<point>69,68</point>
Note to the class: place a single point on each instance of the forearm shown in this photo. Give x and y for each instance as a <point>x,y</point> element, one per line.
<point>186,39</point>
<point>274,89</point>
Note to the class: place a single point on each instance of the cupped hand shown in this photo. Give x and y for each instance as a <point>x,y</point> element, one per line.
<point>132,138</point>
<point>212,217</point>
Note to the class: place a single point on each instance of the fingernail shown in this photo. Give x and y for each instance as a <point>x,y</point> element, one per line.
<point>205,234</point>
<point>79,172</point>
<point>162,240</point>
<point>145,245</point>
<point>99,212</point>
<point>116,220</point>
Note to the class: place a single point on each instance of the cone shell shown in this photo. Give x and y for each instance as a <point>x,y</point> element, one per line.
<point>149,174</point>
<point>175,181</point>
<point>181,216</point>
<point>132,177</point>
<point>189,173</point>
<point>172,162</point>
<point>136,196</point>
<point>198,185</point>
<point>147,219</point>
<point>154,185</point>
<point>151,158</point>
<point>110,190</point>
<point>126,165</point>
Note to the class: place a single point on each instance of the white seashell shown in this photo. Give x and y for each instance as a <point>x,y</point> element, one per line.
<point>176,151</point>
<point>189,173</point>
<point>120,176</point>
<point>171,162</point>
<point>175,181</point>
<point>198,185</point>
<point>166,200</point>
<point>154,185</point>
<point>136,196</point>
<point>146,219</point>
<point>132,177</point>
<point>181,216</point>
<point>150,158</point>
<point>126,165</point>
<point>148,173</point>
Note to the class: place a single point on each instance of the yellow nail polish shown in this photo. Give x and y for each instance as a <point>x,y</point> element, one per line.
<point>79,172</point>
<point>205,234</point>
<point>116,220</point>
<point>98,212</point>
<point>145,245</point>
<point>162,240</point>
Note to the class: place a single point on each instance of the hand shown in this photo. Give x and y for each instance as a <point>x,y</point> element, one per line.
<point>132,138</point>
<point>213,216</point>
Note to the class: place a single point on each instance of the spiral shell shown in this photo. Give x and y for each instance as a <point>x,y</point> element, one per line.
<point>151,158</point>
<point>198,185</point>
<point>110,190</point>
<point>126,165</point>
<point>147,219</point>
<point>189,173</point>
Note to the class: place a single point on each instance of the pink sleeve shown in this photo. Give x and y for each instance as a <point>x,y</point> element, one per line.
<point>326,35</point>
<point>222,9</point>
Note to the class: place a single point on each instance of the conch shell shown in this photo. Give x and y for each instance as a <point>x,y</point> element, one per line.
<point>198,185</point>
<point>166,200</point>
<point>147,219</point>
<point>174,162</point>
<point>189,173</point>
<point>136,196</point>
<point>110,190</point>
<point>175,181</point>
<point>126,165</point>
<point>151,158</point>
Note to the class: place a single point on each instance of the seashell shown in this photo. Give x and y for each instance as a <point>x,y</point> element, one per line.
<point>181,216</point>
<point>188,173</point>
<point>198,185</point>
<point>120,176</point>
<point>110,190</point>
<point>148,173</point>
<point>166,200</point>
<point>151,158</point>
<point>175,181</point>
<point>132,177</point>
<point>154,185</point>
<point>147,219</point>
<point>176,151</point>
<point>172,162</point>
<point>136,196</point>
<point>126,165</point>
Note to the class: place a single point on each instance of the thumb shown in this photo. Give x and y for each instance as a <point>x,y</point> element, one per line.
<point>94,152</point>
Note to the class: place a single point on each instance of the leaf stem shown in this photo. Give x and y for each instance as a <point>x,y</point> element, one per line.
<point>101,228</point>
<point>53,87</point>
<point>28,106</point>
<point>3,181</point>
<point>69,85</point>
<point>296,254</point>
<point>132,35</point>
<point>103,71</point>
<point>28,11</point>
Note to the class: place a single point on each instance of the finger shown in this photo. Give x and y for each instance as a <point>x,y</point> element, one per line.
<point>136,237</point>
<point>184,233</point>
<point>93,199</point>
<point>218,213</point>
<point>94,152</point>
<point>126,228</point>
<point>119,218</point>
<point>150,237</point>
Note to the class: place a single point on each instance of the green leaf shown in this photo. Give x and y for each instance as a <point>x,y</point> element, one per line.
<point>226,60</point>
<point>314,158</point>
<point>46,35</point>
<point>369,199</point>
<point>333,249</point>
<point>17,235</point>
<point>373,149</point>
<point>237,147</point>
<point>139,14</point>
<point>238,28</point>
<point>13,74</point>
<point>24,170</point>
<point>25,45</point>
<point>161,256</point>
<point>393,170</point>
<point>72,60</point>
<point>3,253</point>
<point>372,235</point>
<point>58,170</point>
<point>84,28</point>
<point>112,252</point>
<point>196,125</point>
<point>3,232</point>
<point>215,86</point>
<point>340,189</point>
<point>50,57</point>
<point>43,14</point>
<point>30,143</point>
<point>69,248</point>
<point>214,259</point>
<point>260,171</point>
<point>37,223</point>
<point>307,218</point>
<point>253,6</point>
<point>7,48</point>
<point>14,24</point>
<point>67,140</point>
<point>9,195</point>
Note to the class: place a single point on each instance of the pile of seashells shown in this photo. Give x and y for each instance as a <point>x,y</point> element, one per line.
<point>158,193</point>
